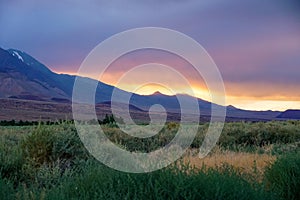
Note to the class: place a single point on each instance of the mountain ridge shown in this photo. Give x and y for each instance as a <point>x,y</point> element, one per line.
<point>24,77</point>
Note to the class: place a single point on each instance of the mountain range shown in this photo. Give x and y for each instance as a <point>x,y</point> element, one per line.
<point>25,79</point>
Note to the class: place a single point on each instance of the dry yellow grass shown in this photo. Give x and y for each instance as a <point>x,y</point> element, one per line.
<point>246,163</point>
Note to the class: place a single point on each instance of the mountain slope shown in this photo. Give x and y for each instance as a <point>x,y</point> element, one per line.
<point>24,81</point>
<point>22,76</point>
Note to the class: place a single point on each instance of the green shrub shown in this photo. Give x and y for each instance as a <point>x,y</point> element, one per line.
<point>259,134</point>
<point>283,177</point>
<point>38,146</point>
<point>11,159</point>
<point>131,143</point>
<point>6,190</point>
<point>46,145</point>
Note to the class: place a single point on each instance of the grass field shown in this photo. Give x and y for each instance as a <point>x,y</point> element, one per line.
<point>251,161</point>
<point>252,164</point>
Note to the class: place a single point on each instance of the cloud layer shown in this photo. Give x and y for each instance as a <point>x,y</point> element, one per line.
<point>256,44</point>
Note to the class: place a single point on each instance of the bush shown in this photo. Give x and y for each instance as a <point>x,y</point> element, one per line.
<point>47,145</point>
<point>259,134</point>
<point>6,190</point>
<point>11,159</point>
<point>283,177</point>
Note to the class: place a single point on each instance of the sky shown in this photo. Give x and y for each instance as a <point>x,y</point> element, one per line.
<point>254,43</point>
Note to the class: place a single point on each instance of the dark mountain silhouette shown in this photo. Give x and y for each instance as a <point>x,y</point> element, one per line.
<point>23,77</point>
<point>290,114</point>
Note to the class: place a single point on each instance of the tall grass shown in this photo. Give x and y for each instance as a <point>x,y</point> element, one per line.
<point>50,162</point>
<point>99,182</point>
<point>250,165</point>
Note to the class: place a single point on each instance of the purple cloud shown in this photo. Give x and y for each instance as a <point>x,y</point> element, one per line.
<point>251,41</point>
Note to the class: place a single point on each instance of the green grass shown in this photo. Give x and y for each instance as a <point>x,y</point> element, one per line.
<point>283,177</point>
<point>50,162</point>
<point>96,181</point>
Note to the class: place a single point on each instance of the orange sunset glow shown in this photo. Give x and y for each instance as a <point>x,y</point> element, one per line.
<point>145,72</point>
<point>244,97</point>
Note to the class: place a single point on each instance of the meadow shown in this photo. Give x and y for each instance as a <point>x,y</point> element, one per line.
<point>252,160</point>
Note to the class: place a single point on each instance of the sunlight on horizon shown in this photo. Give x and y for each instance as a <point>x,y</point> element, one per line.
<point>244,102</point>
<point>241,103</point>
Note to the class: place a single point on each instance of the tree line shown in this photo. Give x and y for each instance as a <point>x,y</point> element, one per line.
<point>108,119</point>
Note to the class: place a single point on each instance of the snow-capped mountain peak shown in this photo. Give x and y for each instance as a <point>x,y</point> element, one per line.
<point>18,55</point>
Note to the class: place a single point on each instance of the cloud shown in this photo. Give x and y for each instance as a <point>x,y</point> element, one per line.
<point>253,42</point>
